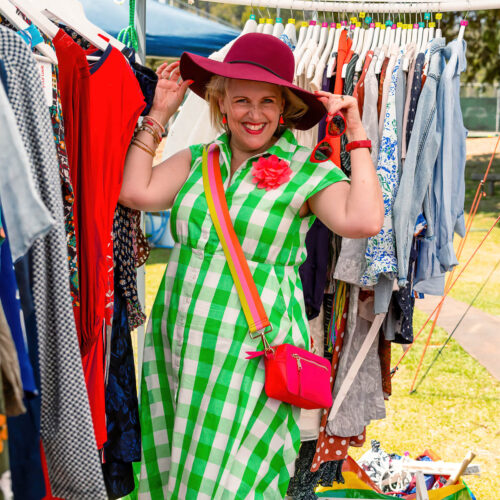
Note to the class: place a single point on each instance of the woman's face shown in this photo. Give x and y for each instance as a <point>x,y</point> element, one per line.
<point>253,110</point>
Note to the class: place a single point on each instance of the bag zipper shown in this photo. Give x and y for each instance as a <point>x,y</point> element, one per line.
<point>299,364</point>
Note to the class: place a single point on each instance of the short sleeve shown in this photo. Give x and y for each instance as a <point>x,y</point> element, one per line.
<point>196,153</point>
<point>325,173</point>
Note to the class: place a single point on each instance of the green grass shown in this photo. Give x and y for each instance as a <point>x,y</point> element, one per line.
<point>455,409</point>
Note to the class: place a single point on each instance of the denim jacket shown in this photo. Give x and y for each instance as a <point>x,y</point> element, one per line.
<point>419,165</point>
<point>448,189</point>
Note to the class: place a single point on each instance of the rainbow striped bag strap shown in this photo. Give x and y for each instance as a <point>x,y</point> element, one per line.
<point>256,316</point>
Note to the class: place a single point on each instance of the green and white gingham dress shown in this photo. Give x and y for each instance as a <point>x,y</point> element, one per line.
<point>208,429</point>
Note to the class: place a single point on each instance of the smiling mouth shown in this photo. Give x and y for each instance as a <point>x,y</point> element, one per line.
<point>254,128</point>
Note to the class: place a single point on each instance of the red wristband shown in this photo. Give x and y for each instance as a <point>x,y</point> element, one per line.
<point>358,144</point>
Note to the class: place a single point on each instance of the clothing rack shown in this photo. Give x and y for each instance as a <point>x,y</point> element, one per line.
<point>373,6</point>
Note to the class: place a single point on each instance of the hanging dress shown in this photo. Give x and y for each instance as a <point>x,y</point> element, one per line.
<point>209,430</point>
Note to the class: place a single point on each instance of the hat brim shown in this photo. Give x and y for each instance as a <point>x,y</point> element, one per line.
<point>201,69</point>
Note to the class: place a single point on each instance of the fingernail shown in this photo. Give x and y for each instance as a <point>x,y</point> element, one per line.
<point>190,82</point>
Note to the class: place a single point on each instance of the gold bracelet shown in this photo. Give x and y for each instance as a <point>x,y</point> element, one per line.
<point>146,150</point>
<point>151,131</point>
<point>153,151</point>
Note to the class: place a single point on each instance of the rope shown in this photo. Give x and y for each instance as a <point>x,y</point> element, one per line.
<point>128,35</point>
<point>472,213</point>
<point>393,371</point>
<point>454,329</point>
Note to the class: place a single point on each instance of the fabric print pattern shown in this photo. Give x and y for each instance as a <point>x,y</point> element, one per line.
<point>381,249</point>
<point>66,187</point>
<point>125,261</point>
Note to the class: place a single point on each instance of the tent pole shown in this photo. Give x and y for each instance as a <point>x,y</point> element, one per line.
<point>140,15</point>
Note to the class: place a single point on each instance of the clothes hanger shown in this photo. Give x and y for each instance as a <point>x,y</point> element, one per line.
<point>278,27</point>
<point>262,23</point>
<point>302,35</point>
<point>366,46</point>
<point>439,33</point>
<point>250,25</point>
<point>299,52</point>
<point>8,11</point>
<point>463,24</point>
<point>333,58</point>
<point>70,13</point>
<point>36,17</point>
<point>420,35</point>
<point>312,44</point>
<point>291,31</point>
<point>269,26</point>
<point>323,35</point>
<point>320,67</point>
<point>376,34</point>
<point>384,47</point>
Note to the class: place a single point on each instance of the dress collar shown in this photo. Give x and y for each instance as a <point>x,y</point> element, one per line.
<point>283,148</point>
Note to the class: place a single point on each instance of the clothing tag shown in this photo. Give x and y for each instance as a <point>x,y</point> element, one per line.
<point>439,16</point>
<point>46,77</point>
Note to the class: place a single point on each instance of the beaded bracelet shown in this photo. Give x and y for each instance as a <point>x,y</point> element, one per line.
<point>155,121</point>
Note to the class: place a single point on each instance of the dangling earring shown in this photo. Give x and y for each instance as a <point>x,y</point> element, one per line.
<point>282,122</point>
<point>224,119</point>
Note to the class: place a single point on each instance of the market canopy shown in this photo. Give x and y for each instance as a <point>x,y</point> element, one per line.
<point>169,31</point>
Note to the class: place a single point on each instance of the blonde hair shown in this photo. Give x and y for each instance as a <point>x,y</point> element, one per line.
<point>216,89</point>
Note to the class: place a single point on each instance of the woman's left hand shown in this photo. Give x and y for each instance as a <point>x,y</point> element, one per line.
<point>347,105</point>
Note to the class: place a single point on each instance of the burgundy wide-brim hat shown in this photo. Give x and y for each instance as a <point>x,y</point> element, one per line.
<point>258,57</point>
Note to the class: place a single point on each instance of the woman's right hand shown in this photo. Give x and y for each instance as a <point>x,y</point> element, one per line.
<point>170,91</point>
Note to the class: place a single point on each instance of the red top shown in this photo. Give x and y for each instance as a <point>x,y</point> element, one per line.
<point>101,106</point>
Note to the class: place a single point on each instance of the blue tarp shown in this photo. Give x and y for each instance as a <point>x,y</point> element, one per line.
<point>169,31</point>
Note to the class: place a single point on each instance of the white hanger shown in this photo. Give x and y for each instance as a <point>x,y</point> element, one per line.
<point>9,12</point>
<point>333,57</point>
<point>366,46</point>
<point>376,34</point>
<point>404,32</point>
<point>420,36</point>
<point>262,23</point>
<point>463,24</point>
<point>278,27</point>
<point>431,33</point>
<point>302,36</point>
<point>309,51</point>
<point>37,18</point>
<point>299,51</point>
<point>250,25</point>
<point>268,27</point>
<point>291,31</point>
<point>320,67</point>
<point>323,35</point>
<point>70,13</point>
<point>414,33</point>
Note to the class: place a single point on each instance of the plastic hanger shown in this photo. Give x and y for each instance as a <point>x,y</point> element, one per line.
<point>268,27</point>
<point>366,46</point>
<point>250,25</point>
<point>323,35</point>
<point>36,17</point>
<point>260,26</point>
<point>70,13</point>
<point>312,44</point>
<point>320,67</point>
<point>9,12</point>
<point>278,27</point>
<point>299,51</point>
<point>463,24</point>
<point>302,35</point>
<point>376,34</point>
<point>333,58</point>
<point>291,31</point>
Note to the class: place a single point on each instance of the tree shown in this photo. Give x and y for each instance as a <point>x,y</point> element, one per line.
<point>483,43</point>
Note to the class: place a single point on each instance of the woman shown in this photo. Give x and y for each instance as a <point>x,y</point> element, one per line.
<point>209,430</point>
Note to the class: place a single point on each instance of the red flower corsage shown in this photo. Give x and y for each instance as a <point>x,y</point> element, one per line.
<point>269,173</point>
